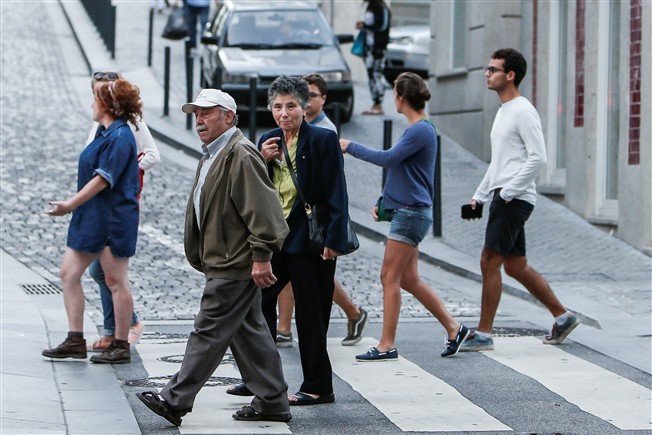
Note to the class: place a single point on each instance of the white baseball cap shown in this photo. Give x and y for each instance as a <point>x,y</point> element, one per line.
<point>211,98</point>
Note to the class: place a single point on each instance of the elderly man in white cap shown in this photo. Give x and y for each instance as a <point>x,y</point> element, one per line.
<point>234,222</point>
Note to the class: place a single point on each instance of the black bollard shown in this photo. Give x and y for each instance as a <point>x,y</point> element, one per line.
<point>190,62</point>
<point>202,79</point>
<point>150,37</point>
<point>253,86</point>
<point>436,207</point>
<point>166,83</point>
<point>387,143</point>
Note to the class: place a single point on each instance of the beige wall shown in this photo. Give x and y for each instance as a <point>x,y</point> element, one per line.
<point>464,109</point>
<point>635,201</point>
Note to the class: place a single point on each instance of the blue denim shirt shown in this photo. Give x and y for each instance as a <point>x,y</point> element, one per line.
<point>111,216</point>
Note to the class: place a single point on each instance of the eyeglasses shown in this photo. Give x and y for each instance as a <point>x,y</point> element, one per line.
<point>313,95</point>
<point>100,75</point>
<point>492,69</point>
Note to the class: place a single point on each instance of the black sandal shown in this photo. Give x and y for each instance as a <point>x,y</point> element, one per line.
<point>248,413</point>
<point>307,399</point>
<point>154,402</point>
<point>239,389</point>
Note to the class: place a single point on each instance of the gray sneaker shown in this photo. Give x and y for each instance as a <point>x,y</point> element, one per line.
<point>559,333</point>
<point>355,328</point>
<point>475,343</point>
<point>284,340</point>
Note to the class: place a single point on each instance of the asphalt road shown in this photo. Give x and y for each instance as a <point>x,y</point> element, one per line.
<point>43,129</point>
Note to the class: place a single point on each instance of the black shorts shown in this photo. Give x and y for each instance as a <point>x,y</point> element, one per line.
<point>506,226</point>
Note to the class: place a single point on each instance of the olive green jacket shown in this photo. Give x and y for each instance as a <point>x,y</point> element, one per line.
<point>241,217</point>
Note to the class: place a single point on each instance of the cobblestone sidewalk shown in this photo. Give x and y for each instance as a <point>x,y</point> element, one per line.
<point>43,131</point>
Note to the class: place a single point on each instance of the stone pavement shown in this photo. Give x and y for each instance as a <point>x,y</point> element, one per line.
<point>592,272</point>
<point>583,263</point>
<point>45,119</point>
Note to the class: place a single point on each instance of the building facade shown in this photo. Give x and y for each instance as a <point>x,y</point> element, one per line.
<point>589,76</point>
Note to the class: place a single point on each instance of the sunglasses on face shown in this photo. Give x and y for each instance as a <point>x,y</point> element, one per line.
<point>100,75</point>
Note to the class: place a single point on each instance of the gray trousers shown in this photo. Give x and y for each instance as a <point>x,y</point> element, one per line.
<point>230,314</point>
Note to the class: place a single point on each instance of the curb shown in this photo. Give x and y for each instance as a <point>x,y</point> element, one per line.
<point>465,273</point>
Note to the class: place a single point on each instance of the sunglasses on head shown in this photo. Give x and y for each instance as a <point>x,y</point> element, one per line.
<point>100,75</point>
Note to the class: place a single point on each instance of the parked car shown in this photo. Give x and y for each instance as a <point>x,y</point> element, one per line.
<point>408,50</point>
<point>266,39</point>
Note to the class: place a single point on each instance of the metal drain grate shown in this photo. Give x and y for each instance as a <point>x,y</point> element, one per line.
<point>161,381</point>
<point>155,335</point>
<point>41,289</point>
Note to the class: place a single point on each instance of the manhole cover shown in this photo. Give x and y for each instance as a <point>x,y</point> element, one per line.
<point>41,289</point>
<point>161,381</point>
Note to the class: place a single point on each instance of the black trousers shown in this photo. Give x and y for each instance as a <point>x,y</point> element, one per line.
<point>312,284</point>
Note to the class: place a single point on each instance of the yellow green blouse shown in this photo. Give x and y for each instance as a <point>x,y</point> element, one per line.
<point>285,189</point>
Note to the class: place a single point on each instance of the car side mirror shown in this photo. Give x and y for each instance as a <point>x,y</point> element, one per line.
<point>209,40</point>
<point>345,38</point>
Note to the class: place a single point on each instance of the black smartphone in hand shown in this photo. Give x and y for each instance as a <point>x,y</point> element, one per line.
<point>469,213</point>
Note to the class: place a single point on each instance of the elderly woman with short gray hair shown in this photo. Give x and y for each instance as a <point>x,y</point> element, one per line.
<point>317,162</point>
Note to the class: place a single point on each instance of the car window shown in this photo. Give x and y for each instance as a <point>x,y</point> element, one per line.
<point>274,29</point>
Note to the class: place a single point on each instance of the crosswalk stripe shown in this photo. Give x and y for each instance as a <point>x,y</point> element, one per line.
<point>213,407</point>
<point>623,403</point>
<point>429,405</point>
<point>431,402</point>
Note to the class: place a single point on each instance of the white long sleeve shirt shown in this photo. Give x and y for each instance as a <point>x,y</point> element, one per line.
<point>518,153</point>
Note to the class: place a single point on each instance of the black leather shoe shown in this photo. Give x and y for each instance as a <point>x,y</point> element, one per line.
<point>154,402</point>
<point>72,347</point>
<point>117,353</point>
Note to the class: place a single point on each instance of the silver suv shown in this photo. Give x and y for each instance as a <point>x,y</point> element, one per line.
<point>266,39</point>
<point>408,50</point>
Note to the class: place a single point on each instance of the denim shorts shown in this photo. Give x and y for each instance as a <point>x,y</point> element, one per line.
<point>410,225</point>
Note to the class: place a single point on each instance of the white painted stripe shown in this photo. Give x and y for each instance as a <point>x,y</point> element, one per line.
<point>428,407</point>
<point>213,407</point>
<point>619,401</point>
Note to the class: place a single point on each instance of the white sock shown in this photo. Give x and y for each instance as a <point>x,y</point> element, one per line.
<point>562,319</point>
<point>485,335</point>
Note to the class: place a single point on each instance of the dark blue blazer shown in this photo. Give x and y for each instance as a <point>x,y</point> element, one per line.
<point>320,172</point>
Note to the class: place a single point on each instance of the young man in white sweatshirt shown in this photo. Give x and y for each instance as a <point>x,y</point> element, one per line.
<point>518,154</point>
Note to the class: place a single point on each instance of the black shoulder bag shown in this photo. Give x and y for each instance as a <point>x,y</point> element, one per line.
<point>318,219</point>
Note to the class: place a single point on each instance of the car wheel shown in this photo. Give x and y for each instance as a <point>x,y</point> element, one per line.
<point>347,109</point>
<point>216,79</point>
<point>390,77</point>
